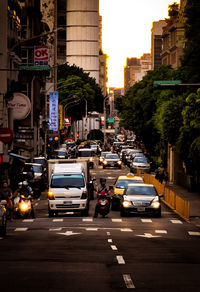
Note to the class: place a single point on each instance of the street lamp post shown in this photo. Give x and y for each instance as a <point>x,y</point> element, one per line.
<point>104,110</point>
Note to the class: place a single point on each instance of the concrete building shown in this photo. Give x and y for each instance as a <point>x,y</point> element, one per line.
<point>102,62</point>
<point>156,42</point>
<point>135,70</point>
<point>82,35</point>
<point>174,39</point>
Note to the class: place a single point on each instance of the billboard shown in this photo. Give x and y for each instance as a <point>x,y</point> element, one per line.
<point>53,111</point>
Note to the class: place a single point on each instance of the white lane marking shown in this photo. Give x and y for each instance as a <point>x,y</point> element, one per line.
<point>28,220</point>
<point>87,219</point>
<point>111,177</point>
<point>38,199</point>
<point>57,220</point>
<point>55,229</point>
<point>176,221</point>
<point>69,233</point>
<point>126,230</point>
<point>148,235</point>
<point>116,220</point>
<point>21,229</point>
<point>113,247</point>
<point>146,220</point>
<point>161,231</point>
<point>193,233</point>
<point>110,240</point>
<point>120,260</point>
<point>91,229</point>
<point>128,281</point>
<point>108,233</point>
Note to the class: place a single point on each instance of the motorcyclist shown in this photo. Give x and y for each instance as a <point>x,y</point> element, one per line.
<point>27,192</point>
<point>6,194</point>
<point>102,188</point>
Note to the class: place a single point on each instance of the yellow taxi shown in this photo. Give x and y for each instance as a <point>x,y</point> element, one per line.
<point>119,186</point>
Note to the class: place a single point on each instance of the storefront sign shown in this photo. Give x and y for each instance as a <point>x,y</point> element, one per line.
<point>21,106</point>
<point>41,55</point>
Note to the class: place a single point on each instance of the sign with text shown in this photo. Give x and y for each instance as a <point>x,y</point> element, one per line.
<point>67,121</point>
<point>41,55</point>
<point>53,111</point>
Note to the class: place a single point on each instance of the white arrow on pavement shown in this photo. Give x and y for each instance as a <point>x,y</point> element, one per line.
<point>148,235</point>
<point>68,233</point>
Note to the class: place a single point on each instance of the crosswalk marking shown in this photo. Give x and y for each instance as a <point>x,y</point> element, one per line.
<point>146,220</point>
<point>128,281</point>
<point>87,220</point>
<point>57,220</point>
<point>28,220</point>
<point>161,231</point>
<point>176,221</point>
<point>116,220</point>
<point>120,260</point>
<point>110,240</point>
<point>21,229</point>
<point>113,247</point>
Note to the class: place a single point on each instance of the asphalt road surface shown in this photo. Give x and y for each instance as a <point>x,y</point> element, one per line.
<point>74,253</point>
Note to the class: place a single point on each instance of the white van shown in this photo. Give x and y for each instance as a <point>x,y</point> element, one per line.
<point>68,189</point>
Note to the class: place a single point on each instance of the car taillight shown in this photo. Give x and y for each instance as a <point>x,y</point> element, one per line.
<point>84,195</point>
<point>51,195</point>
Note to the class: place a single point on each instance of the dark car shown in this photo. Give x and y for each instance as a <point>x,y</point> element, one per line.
<point>112,160</point>
<point>35,175</point>
<point>87,153</point>
<point>140,199</point>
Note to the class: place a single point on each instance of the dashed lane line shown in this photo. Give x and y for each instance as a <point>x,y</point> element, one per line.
<point>193,233</point>
<point>55,229</point>
<point>87,220</point>
<point>161,231</point>
<point>110,240</point>
<point>120,260</point>
<point>116,220</point>
<point>126,230</point>
<point>21,229</point>
<point>176,221</point>
<point>113,247</point>
<point>28,220</point>
<point>128,281</point>
<point>146,220</point>
<point>58,220</point>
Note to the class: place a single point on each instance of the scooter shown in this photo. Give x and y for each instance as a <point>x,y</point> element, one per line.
<point>3,217</point>
<point>23,207</point>
<point>103,204</point>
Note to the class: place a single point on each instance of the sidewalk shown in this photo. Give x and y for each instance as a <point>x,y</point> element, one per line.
<point>193,198</point>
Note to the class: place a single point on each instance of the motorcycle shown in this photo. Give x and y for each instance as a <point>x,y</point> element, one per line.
<point>103,204</point>
<point>23,207</point>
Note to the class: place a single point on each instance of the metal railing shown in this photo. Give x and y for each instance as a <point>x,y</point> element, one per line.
<point>172,200</point>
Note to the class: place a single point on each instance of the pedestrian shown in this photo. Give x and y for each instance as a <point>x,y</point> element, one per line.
<point>166,178</point>
<point>161,173</point>
<point>6,194</point>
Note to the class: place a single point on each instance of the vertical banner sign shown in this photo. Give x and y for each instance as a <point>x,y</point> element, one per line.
<point>53,111</point>
<point>60,116</point>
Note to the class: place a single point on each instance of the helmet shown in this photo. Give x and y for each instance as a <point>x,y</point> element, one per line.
<point>20,183</point>
<point>25,183</point>
<point>102,180</point>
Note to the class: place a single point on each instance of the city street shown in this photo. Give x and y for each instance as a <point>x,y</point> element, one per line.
<point>73,253</point>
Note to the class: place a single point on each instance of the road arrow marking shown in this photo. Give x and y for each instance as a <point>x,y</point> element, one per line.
<point>68,233</point>
<point>148,235</point>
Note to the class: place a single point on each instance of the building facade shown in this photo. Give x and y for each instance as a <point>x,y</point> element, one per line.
<point>156,42</point>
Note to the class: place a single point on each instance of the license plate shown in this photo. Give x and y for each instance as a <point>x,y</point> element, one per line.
<point>140,209</point>
<point>67,203</point>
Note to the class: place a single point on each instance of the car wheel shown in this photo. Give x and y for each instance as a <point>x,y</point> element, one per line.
<point>122,212</point>
<point>51,213</point>
<point>104,167</point>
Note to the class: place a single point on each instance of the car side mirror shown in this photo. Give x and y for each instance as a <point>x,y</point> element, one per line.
<point>161,196</point>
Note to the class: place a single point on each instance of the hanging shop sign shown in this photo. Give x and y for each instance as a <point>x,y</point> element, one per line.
<point>53,111</point>
<point>41,55</point>
<point>21,106</point>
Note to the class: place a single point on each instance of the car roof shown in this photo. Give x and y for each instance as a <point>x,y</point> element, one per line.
<point>130,177</point>
<point>139,185</point>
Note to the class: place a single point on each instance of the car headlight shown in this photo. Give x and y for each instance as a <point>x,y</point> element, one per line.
<point>119,162</point>
<point>101,158</point>
<point>155,204</point>
<point>91,159</point>
<point>126,204</point>
<point>105,162</point>
<point>51,195</point>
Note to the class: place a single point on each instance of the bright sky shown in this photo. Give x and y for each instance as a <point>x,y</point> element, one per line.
<point>127,31</point>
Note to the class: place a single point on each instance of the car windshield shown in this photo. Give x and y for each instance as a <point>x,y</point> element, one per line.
<point>60,153</point>
<point>121,184</point>
<point>112,156</point>
<point>140,160</point>
<point>36,168</point>
<point>87,153</point>
<point>40,161</point>
<point>103,154</point>
<point>141,190</point>
<point>67,180</point>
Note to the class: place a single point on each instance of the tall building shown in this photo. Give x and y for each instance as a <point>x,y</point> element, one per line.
<point>174,38</point>
<point>156,42</point>
<point>102,62</point>
<point>135,70</point>
<point>82,35</point>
